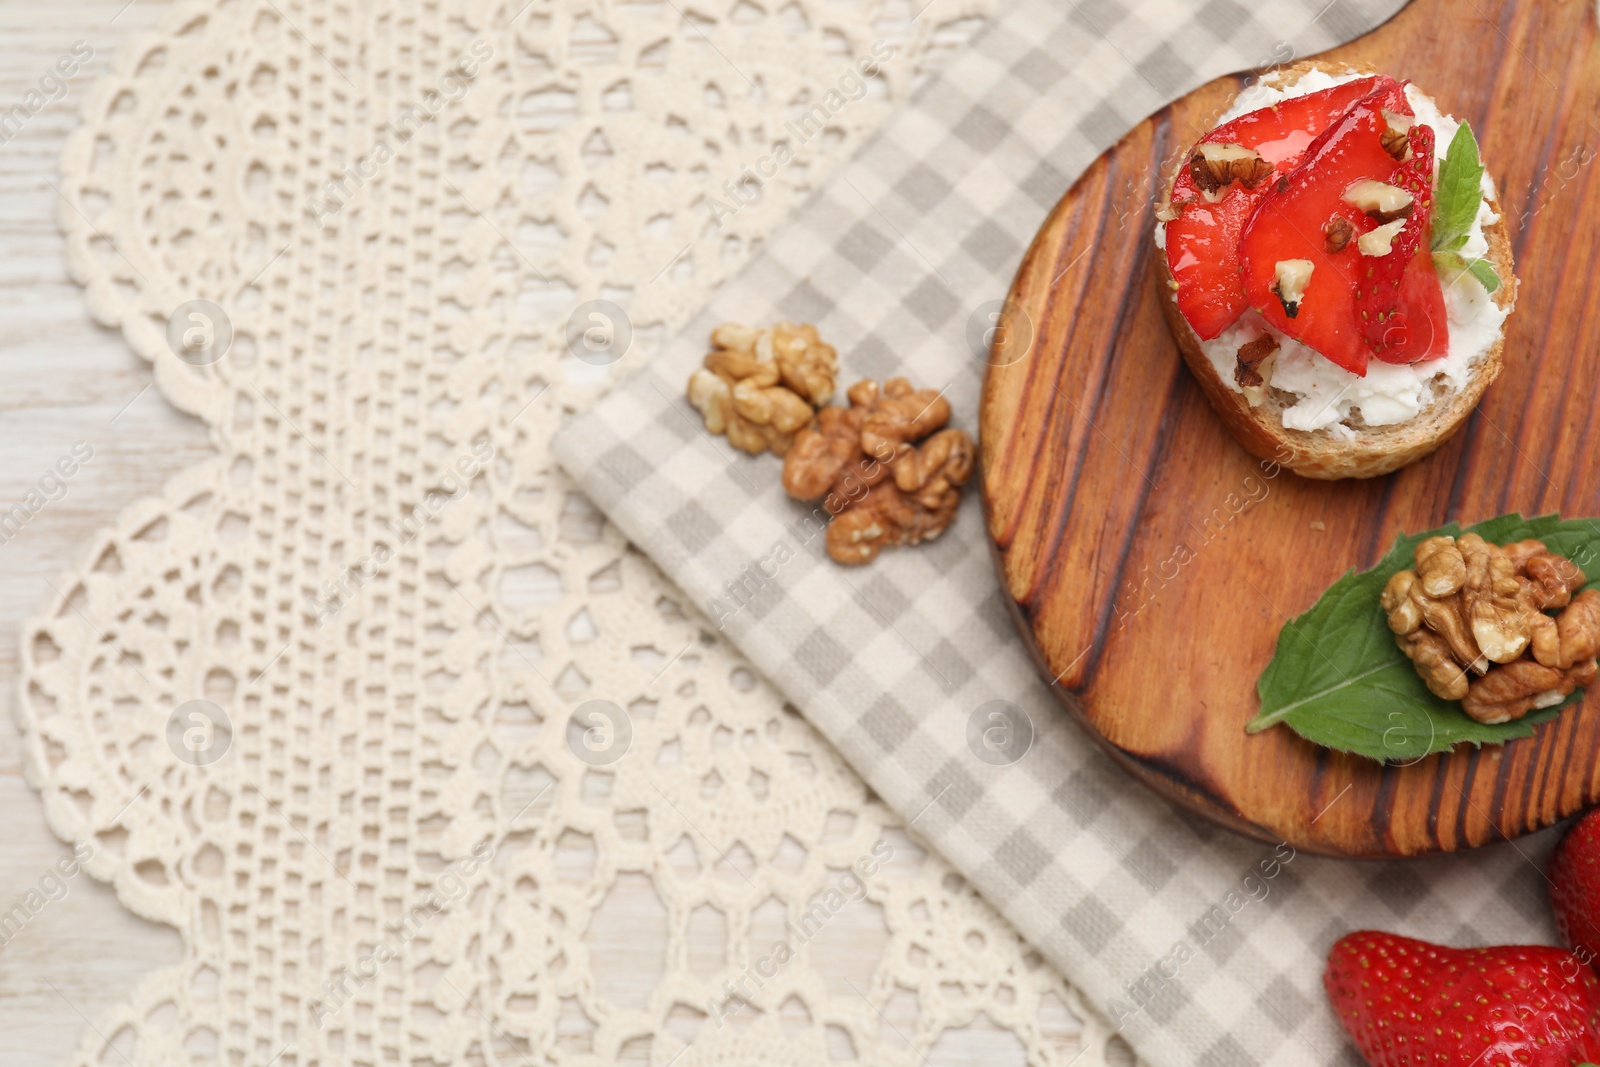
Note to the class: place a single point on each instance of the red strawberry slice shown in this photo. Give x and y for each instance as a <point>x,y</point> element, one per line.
<point>1203,241</point>
<point>1400,300</point>
<point>1575,887</point>
<point>1291,221</point>
<point>1407,1002</point>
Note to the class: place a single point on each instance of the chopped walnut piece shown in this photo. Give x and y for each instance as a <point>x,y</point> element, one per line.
<point>1253,355</point>
<point>1396,142</point>
<point>759,386</point>
<point>1396,136</point>
<point>1475,608</point>
<point>1214,166</point>
<point>1290,279</point>
<point>1379,242</point>
<point>1176,208</point>
<point>881,485</point>
<point>1380,200</point>
<point>1336,234</point>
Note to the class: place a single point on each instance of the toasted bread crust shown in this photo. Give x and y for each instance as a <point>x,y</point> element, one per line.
<point>1321,453</point>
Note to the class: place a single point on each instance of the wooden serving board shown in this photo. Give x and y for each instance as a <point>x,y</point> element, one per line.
<point>1152,561</point>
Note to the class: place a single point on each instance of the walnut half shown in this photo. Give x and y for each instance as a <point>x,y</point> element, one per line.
<point>1510,692</point>
<point>1253,367</point>
<point>1571,637</point>
<point>1337,234</point>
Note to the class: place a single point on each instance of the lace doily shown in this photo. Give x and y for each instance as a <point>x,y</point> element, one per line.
<point>399,828</point>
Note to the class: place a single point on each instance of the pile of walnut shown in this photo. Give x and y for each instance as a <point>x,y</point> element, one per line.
<point>866,464</point>
<point>761,387</point>
<point>1472,619</point>
<point>886,470</point>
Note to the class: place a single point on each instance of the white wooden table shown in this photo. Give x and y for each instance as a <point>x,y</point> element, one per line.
<point>67,380</point>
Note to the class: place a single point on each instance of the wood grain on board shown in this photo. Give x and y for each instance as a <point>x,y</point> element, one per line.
<point>1152,561</point>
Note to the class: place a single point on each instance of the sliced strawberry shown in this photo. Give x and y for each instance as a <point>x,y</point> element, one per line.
<point>1398,295</point>
<point>1203,241</point>
<point>1291,221</point>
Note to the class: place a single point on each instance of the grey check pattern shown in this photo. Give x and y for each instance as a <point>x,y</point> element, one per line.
<point>1201,947</point>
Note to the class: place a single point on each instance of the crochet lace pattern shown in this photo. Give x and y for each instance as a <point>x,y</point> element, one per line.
<point>373,707</point>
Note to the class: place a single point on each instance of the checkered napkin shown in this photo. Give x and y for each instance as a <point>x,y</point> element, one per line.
<point>1201,947</point>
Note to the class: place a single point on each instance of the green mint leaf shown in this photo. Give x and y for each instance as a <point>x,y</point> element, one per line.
<point>1460,191</point>
<point>1339,680</point>
<point>1452,265</point>
<point>1483,270</point>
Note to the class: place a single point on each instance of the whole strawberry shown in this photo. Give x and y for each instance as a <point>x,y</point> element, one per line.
<point>1575,887</point>
<point>1408,1003</point>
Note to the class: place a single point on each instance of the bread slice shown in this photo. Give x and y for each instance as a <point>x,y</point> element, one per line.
<point>1371,451</point>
